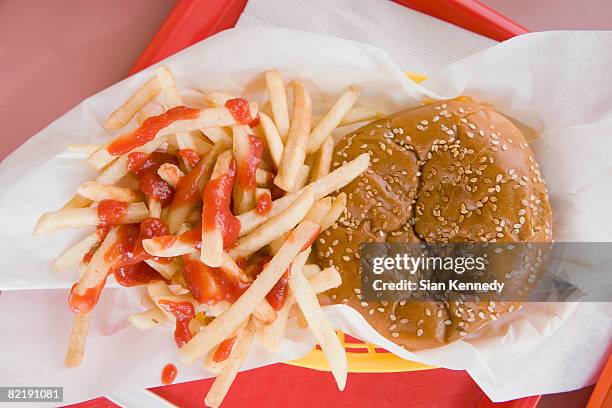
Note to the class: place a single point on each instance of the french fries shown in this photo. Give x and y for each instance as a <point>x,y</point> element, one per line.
<point>320,188</point>
<point>183,202</point>
<point>306,299</point>
<point>273,139</point>
<point>332,119</point>
<point>324,159</point>
<point>297,140</point>
<point>83,217</point>
<point>76,342</point>
<point>278,102</point>
<point>224,325</point>
<point>98,192</point>
<point>145,94</point>
<point>274,228</point>
<point>212,238</point>
<point>221,385</point>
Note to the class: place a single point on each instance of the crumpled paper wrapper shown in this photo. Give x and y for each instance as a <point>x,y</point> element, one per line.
<point>556,83</point>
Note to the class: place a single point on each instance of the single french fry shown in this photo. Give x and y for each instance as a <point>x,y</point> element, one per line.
<point>323,331</point>
<point>224,380</point>
<point>270,337</point>
<point>224,325</point>
<point>264,312</point>
<point>172,99</point>
<point>143,95</point>
<point>83,217</point>
<point>278,102</point>
<point>297,139</point>
<point>77,340</point>
<point>335,211</point>
<point>170,173</point>
<point>167,246</point>
<point>77,202</point>
<point>148,319</point>
<point>218,135</point>
<point>208,118</point>
<point>82,148</point>
<point>310,270</point>
<point>274,228</point>
<point>302,177</point>
<point>119,168</point>
<point>335,180</point>
<point>361,114</point>
<point>155,207</point>
<point>263,178</point>
<point>274,141</point>
<point>152,109</point>
<point>216,367</point>
<point>325,280</point>
<point>167,270</point>
<point>319,210</point>
<point>74,255</point>
<point>332,119</point>
<point>97,269</point>
<point>216,98</point>
<point>98,192</point>
<point>243,196</point>
<point>212,239</point>
<point>189,189</point>
<point>324,159</point>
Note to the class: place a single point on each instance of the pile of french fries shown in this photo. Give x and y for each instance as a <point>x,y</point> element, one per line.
<point>214,151</point>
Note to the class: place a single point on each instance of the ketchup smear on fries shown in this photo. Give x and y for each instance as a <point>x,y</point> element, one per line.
<point>239,107</point>
<point>216,201</point>
<point>239,281</point>
<point>149,128</point>
<point>183,312</point>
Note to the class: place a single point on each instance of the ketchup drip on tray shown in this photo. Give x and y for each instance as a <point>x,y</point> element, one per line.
<point>168,374</point>
<point>149,128</point>
<point>216,201</point>
<point>183,312</point>
<point>240,110</point>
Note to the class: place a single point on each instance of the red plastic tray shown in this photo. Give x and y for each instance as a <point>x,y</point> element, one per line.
<point>282,385</point>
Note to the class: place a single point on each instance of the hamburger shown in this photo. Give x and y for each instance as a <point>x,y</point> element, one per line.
<point>447,172</point>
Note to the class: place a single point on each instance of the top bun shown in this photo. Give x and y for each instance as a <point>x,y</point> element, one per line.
<point>449,171</point>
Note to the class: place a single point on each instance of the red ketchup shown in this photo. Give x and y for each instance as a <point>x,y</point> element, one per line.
<point>216,201</point>
<point>84,303</point>
<point>224,349</point>
<point>110,212</point>
<point>189,187</point>
<point>190,155</point>
<point>210,285</point>
<point>264,203</point>
<point>245,173</point>
<point>136,274</point>
<point>183,312</point>
<point>150,183</point>
<point>240,110</point>
<point>149,128</point>
<point>168,374</point>
<point>278,294</point>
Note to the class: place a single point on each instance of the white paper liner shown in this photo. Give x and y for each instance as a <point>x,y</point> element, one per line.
<point>557,83</point>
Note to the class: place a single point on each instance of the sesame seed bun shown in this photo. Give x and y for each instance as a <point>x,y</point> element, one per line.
<point>450,171</point>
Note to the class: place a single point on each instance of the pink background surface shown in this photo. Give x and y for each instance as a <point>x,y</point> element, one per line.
<point>54,53</point>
